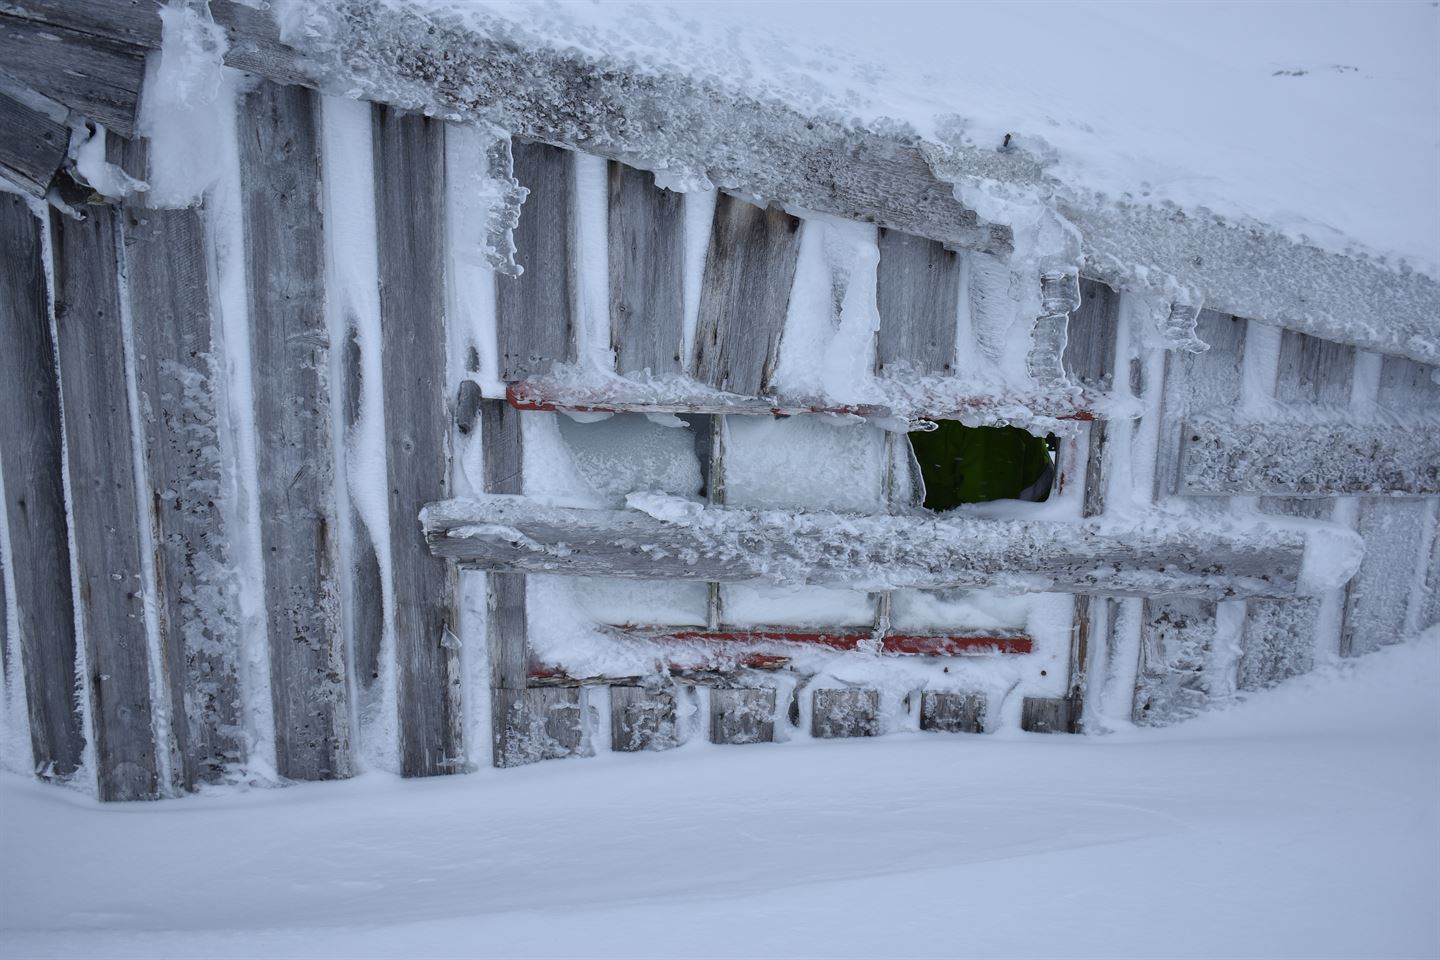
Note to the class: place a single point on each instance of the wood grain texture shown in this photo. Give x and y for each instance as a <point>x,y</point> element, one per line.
<point>131,22</point>
<point>107,524</point>
<point>1197,384</point>
<point>32,146</point>
<point>744,295</point>
<point>742,715</point>
<point>642,718</point>
<point>1089,356</point>
<point>1051,714</point>
<point>1313,371</point>
<point>948,712</point>
<point>1314,458</point>
<point>848,712</point>
<point>177,373</point>
<point>367,595</point>
<point>95,77</point>
<point>1176,641</point>
<point>290,356</point>
<point>729,545</point>
<point>647,273</point>
<point>535,312</point>
<point>918,296</point>
<point>34,510</point>
<point>410,221</point>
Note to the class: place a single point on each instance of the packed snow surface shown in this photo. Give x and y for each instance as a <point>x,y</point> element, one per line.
<point>1321,120</point>
<point>1302,823</point>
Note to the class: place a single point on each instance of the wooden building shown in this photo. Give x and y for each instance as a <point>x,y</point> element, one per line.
<point>256,442</point>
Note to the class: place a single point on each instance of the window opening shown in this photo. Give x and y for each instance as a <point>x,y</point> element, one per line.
<point>960,464</point>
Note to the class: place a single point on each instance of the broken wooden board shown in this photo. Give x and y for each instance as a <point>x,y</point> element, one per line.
<point>295,463</point>
<point>93,76</point>
<point>949,712</point>
<point>111,587</point>
<point>647,273</point>
<point>32,146</point>
<point>742,715</point>
<point>642,718</point>
<point>409,158</point>
<point>744,295</point>
<point>34,510</point>
<point>730,545</point>
<point>1309,458</point>
<point>847,712</point>
<point>918,298</point>
<point>177,374</point>
<point>535,312</point>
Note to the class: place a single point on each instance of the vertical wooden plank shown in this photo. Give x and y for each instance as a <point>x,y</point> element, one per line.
<point>176,372</point>
<point>1378,599</point>
<point>506,624</point>
<point>290,347</point>
<point>1313,371</point>
<point>647,273</point>
<point>744,295</point>
<point>952,712</point>
<point>742,715</point>
<point>535,312</point>
<point>367,595</point>
<point>410,221</point>
<point>100,457</point>
<point>1089,356</point>
<point>1177,636</point>
<point>918,296</point>
<point>642,719</point>
<point>1050,715</point>
<point>849,712</point>
<point>30,456</point>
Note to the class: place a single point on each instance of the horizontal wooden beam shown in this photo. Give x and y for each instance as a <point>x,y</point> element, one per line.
<point>621,396</point>
<point>1156,557</point>
<point>91,75</point>
<point>1309,459</point>
<point>32,146</point>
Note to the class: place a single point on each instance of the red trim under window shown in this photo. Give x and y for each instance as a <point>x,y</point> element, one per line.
<point>923,645</point>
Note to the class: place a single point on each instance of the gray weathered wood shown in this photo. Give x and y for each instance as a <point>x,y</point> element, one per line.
<point>1378,599</point>
<point>742,715</point>
<point>1176,641</point>
<point>744,295</point>
<point>1313,371</point>
<point>535,312</point>
<point>1277,641</point>
<point>106,528</point>
<point>93,76</point>
<point>642,718</point>
<point>367,606</point>
<point>647,273</point>
<point>1197,384</point>
<point>290,355</point>
<point>545,723</point>
<point>952,712</point>
<point>918,296</point>
<point>34,510</point>
<point>1315,458</point>
<point>1051,714</point>
<point>177,374</point>
<point>847,712</point>
<point>730,545</point>
<point>132,22</point>
<point>32,146</point>
<point>410,221</point>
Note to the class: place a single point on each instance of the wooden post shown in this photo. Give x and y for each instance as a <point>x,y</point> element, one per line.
<point>642,719</point>
<point>964,712</point>
<point>34,509</point>
<point>106,521</point>
<point>749,270</point>
<point>176,372</point>
<point>290,348</point>
<point>535,312</point>
<point>410,221</point>
<point>742,715</point>
<point>647,273</point>
<point>918,296</point>
<point>848,712</point>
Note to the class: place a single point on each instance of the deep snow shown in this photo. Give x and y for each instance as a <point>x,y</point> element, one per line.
<point>1301,823</point>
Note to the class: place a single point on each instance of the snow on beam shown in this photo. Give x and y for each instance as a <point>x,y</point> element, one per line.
<point>1159,556</point>
<point>1309,459</point>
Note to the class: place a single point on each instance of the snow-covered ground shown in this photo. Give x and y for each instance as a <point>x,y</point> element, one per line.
<point>1302,823</point>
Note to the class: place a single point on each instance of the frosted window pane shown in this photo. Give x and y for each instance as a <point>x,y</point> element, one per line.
<point>628,453</point>
<point>804,461</point>
<point>956,609</point>
<point>765,605</point>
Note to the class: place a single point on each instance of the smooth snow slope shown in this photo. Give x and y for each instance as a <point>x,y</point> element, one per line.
<point>1302,823</point>
<point>1320,119</point>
